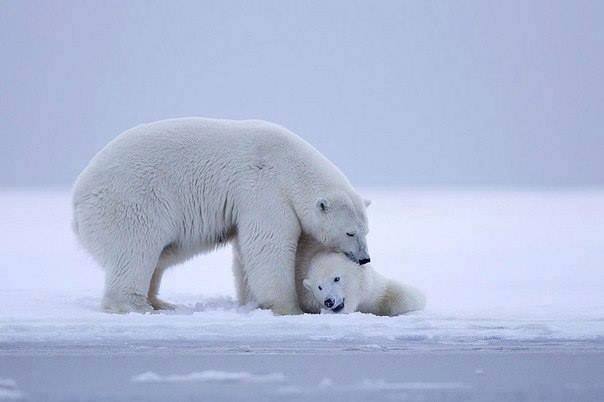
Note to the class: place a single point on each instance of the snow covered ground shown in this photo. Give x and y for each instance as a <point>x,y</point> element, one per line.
<point>514,282</point>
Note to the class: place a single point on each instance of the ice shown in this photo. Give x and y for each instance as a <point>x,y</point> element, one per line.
<point>326,382</point>
<point>290,390</point>
<point>372,386</point>
<point>381,385</point>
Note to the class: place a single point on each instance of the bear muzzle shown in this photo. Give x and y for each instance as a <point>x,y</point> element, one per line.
<point>362,259</point>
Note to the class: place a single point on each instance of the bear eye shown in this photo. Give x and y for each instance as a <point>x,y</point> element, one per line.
<point>349,234</point>
<point>336,279</point>
<point>320,288</point>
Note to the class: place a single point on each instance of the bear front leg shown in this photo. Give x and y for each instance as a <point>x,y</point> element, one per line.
<point>127,285</point>
<point>269,269</point>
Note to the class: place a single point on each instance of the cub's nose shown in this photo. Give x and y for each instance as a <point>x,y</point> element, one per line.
<point>329,303</point>
<point>364,261</point>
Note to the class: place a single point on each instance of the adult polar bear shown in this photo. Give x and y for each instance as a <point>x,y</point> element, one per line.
<point>162,192</point>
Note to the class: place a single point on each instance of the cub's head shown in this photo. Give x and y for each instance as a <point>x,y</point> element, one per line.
<point>333,281</point>
<point>340,224</point>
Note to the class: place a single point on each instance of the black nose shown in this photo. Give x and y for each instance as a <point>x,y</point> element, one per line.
<point>364,261</point>
<point>329,303</point>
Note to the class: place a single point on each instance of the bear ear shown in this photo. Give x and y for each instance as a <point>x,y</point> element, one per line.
<point>367,203</point>
<point>322,204</point>
<point>307,284</point>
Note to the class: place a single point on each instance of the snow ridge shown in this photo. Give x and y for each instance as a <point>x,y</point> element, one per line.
<point>9,390</point>
<point>209,376</point>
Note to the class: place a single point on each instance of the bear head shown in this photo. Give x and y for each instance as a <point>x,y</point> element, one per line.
<point>340,224</point>
<point>333,281</point>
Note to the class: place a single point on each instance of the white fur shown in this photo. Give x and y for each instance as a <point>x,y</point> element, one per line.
<point>359,288</point>
<point>162,192</point>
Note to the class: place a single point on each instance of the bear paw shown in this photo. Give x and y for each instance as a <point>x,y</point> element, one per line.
<point>159,304</point>
<point>131,303</point>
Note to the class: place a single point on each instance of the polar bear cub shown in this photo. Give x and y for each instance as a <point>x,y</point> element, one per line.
<point>336,285</point>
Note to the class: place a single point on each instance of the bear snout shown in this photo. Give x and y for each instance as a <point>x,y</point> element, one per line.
<point>364,261</point>
<point>338,308</point>
<point>329,303</point>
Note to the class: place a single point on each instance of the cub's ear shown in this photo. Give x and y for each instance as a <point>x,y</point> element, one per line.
<point>307,284</point>
<point>367,203</point>
<point>322,204</point>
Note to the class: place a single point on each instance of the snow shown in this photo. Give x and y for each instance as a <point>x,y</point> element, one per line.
<point>246,377</point>
<point>47,320</point>
<point>500,269</point>
<point>9,390</point>
<point>209,376</point>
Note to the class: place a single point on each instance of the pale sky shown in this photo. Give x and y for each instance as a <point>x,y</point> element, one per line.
<point>396,93</point>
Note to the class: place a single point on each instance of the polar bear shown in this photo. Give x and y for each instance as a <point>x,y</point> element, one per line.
<point>163,192</point>
<point>333,284</point>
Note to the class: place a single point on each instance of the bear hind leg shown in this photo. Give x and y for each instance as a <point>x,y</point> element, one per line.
<point>400,299</point>
<point>169,256</point>
<point>152,296</point>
